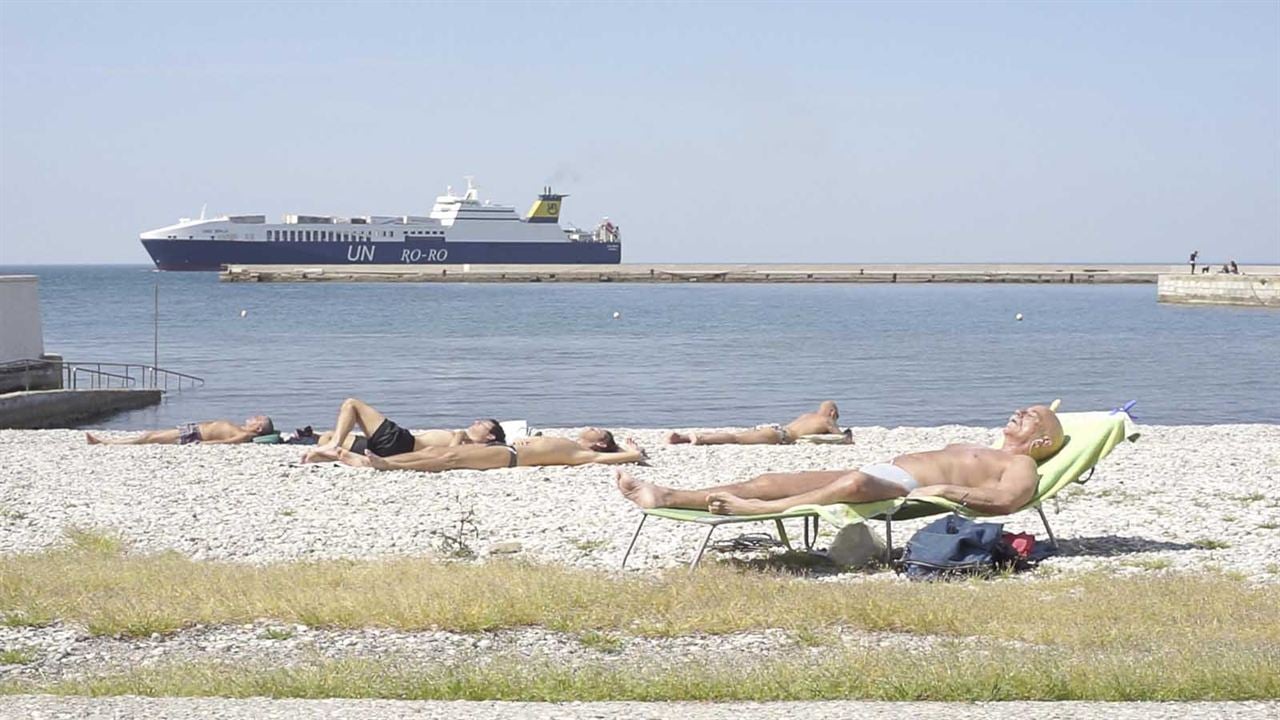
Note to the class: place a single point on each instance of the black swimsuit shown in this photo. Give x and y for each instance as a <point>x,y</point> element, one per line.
<point>389,439</point>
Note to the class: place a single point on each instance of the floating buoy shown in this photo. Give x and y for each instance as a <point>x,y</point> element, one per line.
<point>1018,317</point>
<point>616,314</point>
<point>244,313</point>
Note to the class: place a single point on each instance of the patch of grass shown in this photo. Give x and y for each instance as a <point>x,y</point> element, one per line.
<point>103,542</point>
<point>455,541</point>
<point>20,618</point>
<point>8,513</point>
<point>1151,563</point>
<point>601,642</point>
<point>288,512</point>
<point>588,546</point>
<point>808,637</point>
<point>1269,526</point>
<point>276,634</point>
<point>17,656</point>
<point>1252,497</point>
<point>122,594</point>
<point>1273,568</point>
<point>946,675</point>
<point>1211,544</point>
<point>1229,518</point>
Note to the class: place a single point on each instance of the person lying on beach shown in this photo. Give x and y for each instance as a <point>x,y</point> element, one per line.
<point>212,432</point>
<point>822,422</point>
<point>592,446</point>
<point>991,481</point>
<point>384,438</point>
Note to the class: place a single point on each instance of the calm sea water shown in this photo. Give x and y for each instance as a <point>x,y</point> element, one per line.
<point>682,355</point>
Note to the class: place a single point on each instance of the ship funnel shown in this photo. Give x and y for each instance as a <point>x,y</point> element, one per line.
<point>546,209</point>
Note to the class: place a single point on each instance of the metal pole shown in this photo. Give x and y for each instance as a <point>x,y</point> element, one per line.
<point>155,333</point>
<point>643,517</point>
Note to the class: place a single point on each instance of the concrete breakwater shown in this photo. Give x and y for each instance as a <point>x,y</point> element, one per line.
<point>687,273</point>
<point>1220,289</point>
<point>61,408</point>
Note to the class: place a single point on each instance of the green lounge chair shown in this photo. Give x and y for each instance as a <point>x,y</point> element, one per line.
<point>1090,436</point>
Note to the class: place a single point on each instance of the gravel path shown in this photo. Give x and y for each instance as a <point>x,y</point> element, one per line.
<point>61,652</point>
<point>1162,503</point>
<point>44,707</point>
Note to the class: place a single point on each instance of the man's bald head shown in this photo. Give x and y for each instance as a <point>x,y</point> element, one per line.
<point>1035,431</point>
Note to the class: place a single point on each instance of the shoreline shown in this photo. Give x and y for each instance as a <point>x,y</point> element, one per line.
<point>906,273</point>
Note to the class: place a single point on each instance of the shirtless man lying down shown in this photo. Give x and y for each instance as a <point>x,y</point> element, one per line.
<point>991,481</point>
<point>384,438</point>
<point>211,432</point>
<point>822,422</point>
<point>592,446</point>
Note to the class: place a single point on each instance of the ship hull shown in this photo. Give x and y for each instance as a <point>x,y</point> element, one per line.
<point>214,254</point>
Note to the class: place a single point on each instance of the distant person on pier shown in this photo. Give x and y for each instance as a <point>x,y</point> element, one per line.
<point>212,432</point>
<point>592,446</point>
<point>822,422</point>
<point>1194,254</point>
<point>384,438</point>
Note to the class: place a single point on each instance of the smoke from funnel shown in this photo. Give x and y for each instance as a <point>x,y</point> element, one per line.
<point>564,174</point>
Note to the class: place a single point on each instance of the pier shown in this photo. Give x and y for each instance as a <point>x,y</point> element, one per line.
<point>1220,289</point>
<point>709,273</point>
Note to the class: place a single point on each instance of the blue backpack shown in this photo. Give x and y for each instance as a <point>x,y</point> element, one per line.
<point>954,546</point>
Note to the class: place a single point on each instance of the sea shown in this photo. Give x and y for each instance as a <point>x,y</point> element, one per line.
<point>681,355</point>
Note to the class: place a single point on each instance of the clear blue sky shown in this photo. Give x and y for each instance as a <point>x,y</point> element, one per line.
<point>827,132</point>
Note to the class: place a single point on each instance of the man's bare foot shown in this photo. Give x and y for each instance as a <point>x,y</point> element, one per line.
<point>346,457</point>
<point>646,495</point>
<point>675,438</point>
<point>377,461</point>
<point>723,503</point>
<point>92,439</point>
<point>318,454</point>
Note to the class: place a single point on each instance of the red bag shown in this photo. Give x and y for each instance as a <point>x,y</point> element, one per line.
<point>1022,543</point>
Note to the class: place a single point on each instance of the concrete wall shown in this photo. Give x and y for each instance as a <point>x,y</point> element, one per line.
<point>21,336</point>
<point>66,408</point>
<point>1220,289</point>
<point>45,374</point>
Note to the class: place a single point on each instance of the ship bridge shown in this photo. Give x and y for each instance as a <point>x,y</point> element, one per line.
<point>450,208</point>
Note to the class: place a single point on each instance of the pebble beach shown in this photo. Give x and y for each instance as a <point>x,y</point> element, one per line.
<point>1180,498</point>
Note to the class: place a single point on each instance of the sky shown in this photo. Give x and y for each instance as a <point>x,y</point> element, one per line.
<point>710,132</point>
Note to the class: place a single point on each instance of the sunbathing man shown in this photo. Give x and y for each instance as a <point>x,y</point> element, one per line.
<point>990,481</point>
<point>384,438</point>
<point>213,432</point>
<point>822,422</point>
<point>592,446</point>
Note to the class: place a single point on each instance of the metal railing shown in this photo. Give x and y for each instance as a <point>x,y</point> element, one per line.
<point>97,375</point>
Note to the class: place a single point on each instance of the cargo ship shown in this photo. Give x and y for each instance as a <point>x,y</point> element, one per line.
<point>459,229</point>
